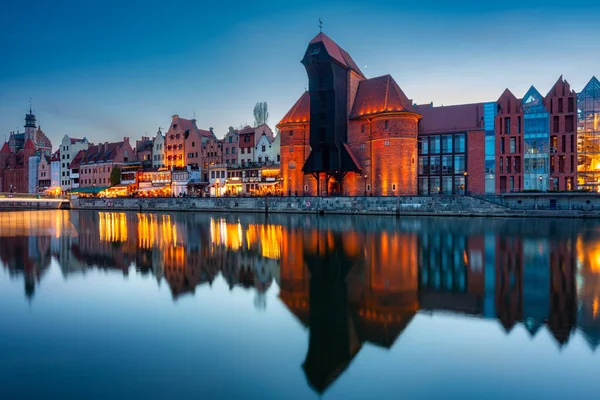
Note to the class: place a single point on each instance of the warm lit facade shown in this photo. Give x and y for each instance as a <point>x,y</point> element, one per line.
<point>588,136</point>
<point>98,161</point>
<point>365,131</point>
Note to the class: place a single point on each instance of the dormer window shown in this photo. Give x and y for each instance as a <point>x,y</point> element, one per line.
<point>174,126</point>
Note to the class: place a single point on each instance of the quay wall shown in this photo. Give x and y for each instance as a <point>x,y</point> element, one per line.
<point>513,205</point>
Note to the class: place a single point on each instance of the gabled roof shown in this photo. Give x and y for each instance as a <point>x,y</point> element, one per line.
<point>299,113</point>
<point>507,93</point>
<point>74,140</point>
<point>337,53</point>
<point>592,89</point>
<point>95,153</point>
<point>380,95</point>
<point>463,117</point>
<point>77,160</point>
<point>5,148</point>
<point>29,145</point>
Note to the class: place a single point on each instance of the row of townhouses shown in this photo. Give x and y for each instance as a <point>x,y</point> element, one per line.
<point>183,160</point>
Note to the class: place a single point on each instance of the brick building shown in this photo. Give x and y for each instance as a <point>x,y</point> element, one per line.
<point>181,132</point>
<point>231,147</point>
<point>451,149</point>
<point>365,130</point>
<point>536,142</point>
<point>20,156</point>
<point>97,162</point>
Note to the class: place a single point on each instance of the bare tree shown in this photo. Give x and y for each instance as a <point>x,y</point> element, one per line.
<point>261,113</point>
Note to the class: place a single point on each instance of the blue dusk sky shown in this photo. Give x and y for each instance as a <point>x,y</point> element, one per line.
<point>108,69</point>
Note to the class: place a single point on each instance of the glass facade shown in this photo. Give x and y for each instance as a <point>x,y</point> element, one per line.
<point>442,164</point>
<point>536,138</point>
<point>489,114</point>
<point>588,136</point>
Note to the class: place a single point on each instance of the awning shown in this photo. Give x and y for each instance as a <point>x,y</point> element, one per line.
<point>52,189</point>
<point>90,190</point>
<point>151,188</point>
<point>269,183</point>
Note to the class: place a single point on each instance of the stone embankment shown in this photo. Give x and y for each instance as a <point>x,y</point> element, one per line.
<point>513,205</point>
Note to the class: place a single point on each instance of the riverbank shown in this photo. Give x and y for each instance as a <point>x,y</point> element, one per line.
<point>560,205</point>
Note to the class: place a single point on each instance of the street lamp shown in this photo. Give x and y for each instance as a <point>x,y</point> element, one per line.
<point>466,174</point>
<point>540,178</point>
<point>365,176</point>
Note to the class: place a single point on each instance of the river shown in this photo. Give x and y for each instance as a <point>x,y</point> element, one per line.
<point>101,305</point>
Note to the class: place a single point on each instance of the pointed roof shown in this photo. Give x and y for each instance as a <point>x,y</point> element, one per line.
<point>380,95</point>
<point>29,145</point>
<point>554,91</point>
<point>592,89</point>
<point>299,113</point>
<point>5,148</point>
<point>337,53</point>
<point>533,101</point>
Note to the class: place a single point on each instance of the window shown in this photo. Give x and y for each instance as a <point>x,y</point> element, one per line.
<point>423,165</point>
<point>362,128</point>
<point>434,165</point>
<point>459,143</point>
<point>386,143</point>
<point>264,148</point>
<point>227,150</point>
<point>508,165</point>
<point>555,124</point>
<point>242,150</point>
<point>259,159</point>
<point>501,145</point>
<point>278,158</point>
<point>362,146</point>
<point>447,144</point>
<point>519,124</point>
<point>393,185</point>
<point>193,144</point>
<point>569,124</point>
<point>434,144</point>
<point>387,124</point>
<point>424,145</point>
<point>507,126</point>
<point>564,143</point>
<point>459,164</point>
<point>292,132</point>
<point>446,165</point>
<point>501,169</point>
<point>560,105</point>
<point>306,188</point>
<point>571,105</point>
<point>233,150</point>
<point>512,145</point>
<point>212,174</point>
<point>447,185</point>
<point>292,165</point>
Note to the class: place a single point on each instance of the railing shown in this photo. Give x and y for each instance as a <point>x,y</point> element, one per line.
<point>26,196</point>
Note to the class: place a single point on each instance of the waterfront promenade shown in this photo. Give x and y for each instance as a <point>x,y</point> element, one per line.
<point>569,205</point>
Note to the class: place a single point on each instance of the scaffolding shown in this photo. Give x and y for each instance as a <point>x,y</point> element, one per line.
<point>588,136</point>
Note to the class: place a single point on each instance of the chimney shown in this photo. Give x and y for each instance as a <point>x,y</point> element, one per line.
<point>211,131</point>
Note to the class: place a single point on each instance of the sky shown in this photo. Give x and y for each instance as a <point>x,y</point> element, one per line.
<point>109,69</point>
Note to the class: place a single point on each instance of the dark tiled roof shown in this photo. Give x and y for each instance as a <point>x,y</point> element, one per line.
<point>300,112</point>
<point>463,117</point>
<point>380,95</point>
<point>337,53</point>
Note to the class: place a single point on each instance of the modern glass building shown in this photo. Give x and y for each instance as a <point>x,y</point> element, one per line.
<point>588,136</point>
<point>536,138</point>
<point>489,115</point>
<point>442,164</point>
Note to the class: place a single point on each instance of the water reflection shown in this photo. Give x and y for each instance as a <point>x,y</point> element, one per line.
<point>349,280</point>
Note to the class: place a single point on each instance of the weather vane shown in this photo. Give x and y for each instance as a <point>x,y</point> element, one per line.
<point>320,25</point>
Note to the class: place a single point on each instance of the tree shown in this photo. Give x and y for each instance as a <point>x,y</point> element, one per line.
<point>261,113</point>
<point>115,176</point>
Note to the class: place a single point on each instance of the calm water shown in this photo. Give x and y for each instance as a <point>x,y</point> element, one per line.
<point>128,305</point>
